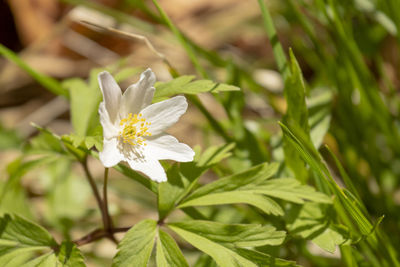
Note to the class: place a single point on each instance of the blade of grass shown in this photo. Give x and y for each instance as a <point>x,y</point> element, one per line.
<point>47,82</point>
<point>280,56</point>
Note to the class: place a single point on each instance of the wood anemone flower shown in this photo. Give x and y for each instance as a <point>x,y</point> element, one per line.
<point>133,128</point>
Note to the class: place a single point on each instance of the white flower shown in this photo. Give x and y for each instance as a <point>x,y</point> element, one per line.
<point>133,129</point>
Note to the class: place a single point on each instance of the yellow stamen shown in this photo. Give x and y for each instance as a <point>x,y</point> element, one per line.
<point>135,128</point>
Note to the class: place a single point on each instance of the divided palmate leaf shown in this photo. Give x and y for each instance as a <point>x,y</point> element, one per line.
<point>168,252</point>
<point>22,240</point>
<point>185,85</point>
<point>136,246</point>
<point>182,177</point>
<point>254,187</point>
<point>223,256</point>
<point>310,222</point>
<point>264,260</point>
<point>253,176</point>
<point>290,189</point>
<point>313,158</point>
<point>234,235</point>
<point>264,203</point>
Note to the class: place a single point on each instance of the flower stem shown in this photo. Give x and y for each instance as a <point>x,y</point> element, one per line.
<point>95,192</point>
<point>98,234</point>
<point>108,222</point>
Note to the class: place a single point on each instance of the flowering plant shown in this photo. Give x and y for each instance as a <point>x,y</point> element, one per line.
<point>133,128</point>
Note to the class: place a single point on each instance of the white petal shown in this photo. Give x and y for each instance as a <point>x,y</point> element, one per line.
<point>109,130</point>
<point>110,156</point>
<point>150,168</point>
<point>138,95</point>
<point>167,147</point>
<point>163,114</point>
<point>111,94</point>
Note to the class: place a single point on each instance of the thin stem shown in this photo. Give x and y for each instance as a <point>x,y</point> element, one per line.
<point>277,49</point>
<point>99,234</point>
<point>108,222</point>
<point>95,192</point>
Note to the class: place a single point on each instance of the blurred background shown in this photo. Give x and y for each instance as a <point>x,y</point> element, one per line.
<point>349,57</point>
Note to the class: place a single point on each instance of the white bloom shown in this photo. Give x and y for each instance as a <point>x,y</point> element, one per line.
<point>133,128</point>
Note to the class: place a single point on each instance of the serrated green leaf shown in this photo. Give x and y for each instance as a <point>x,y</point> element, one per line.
<point>252,176</point>
<point>237,235</point>
<point>19,237</point>
<point>313,158</point>
<point>223,256</point>
<point>264,260</point>
<point>291,190</point>
<point>168,252</point>
<point>310,221</point>
<point>136,246</point>
<point>46,260</point>
<point>183,177</point>
<point>264,203</point>
<point>24,233</point>
<point>214,155</point>
<point>69,255</point>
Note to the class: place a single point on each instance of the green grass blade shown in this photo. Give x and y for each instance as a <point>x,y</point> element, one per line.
<point>280,56</point>
<point>47,82</point>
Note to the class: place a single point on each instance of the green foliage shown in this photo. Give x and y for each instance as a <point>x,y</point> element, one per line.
<point>136,246</point>
<point>183,178</point>
<point>234,235</point>
<point>185,85</point>
<point>310,222</point>
<point>293,193</point>
<point>296,113</point>
<point>168,252</point>
<point>22,238</point>
<point>47,82</point>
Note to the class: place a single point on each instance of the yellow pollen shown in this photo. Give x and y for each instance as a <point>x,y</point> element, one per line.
<point>135,128</point>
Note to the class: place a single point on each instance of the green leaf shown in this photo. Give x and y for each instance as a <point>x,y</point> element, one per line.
<point>311,222</point>
<point>264,260</point>
<point>85,100</point>
<point>136,246</point>
<point>21,240</point>
<point>70,256</point>
<point>24,233</point>
<point>214,154</point>
<point>313,158</point>
<point>14,200</point>
<point>264,203</point>
<point>297,114</point>
<point>234,235</point>
<point>168,252</point>
<point>252,176</point>
<point>319,115</point>
<point>185,85</point>
<point>291,190</point>
<point>225,191</point>
<point>223,256</point>
<point>183,177</point>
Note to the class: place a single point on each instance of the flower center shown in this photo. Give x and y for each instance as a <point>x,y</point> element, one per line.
<point>135,128</point>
